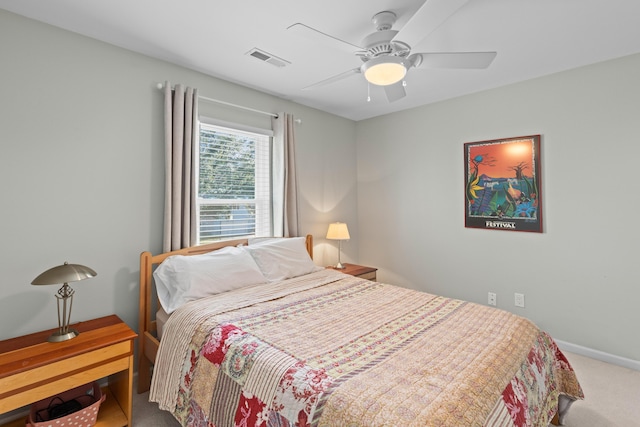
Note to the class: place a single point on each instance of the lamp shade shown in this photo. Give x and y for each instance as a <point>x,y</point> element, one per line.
<point>64,273</point>
<point>338,231</point>
<point>384,70</point>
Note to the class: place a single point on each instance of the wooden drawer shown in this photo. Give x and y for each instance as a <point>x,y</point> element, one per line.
<point>24,388</point>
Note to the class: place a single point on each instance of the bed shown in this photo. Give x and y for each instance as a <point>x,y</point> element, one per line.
<point>274,340</point>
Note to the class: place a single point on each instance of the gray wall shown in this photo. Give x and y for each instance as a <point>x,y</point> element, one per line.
<point>81,168</point>
<point>580,277</point>
<point>81,180</point>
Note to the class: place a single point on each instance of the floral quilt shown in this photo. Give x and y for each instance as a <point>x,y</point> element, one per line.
<point>327,349</point>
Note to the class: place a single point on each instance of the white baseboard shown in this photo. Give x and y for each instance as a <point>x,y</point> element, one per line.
<point>599,355</point>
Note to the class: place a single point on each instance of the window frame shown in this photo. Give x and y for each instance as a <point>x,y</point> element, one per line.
<point>262,205</point>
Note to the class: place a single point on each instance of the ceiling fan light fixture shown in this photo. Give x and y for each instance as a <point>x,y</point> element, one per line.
<point>384,70</point>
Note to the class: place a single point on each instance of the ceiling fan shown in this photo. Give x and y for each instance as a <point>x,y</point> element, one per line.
<point>386,54</point>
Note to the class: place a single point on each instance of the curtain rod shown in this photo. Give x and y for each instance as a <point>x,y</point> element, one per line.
<point>218,101</point>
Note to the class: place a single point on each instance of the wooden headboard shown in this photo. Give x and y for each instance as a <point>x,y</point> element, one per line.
<point>148,341</point>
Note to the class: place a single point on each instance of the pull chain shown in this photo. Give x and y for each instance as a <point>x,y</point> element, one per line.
<point>368,92</point>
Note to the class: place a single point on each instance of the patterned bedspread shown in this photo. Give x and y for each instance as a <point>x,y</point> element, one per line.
<point>327,349</point>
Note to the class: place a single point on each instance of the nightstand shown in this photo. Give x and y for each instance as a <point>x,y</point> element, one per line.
<point>32,369</point>
<point>362,271</point>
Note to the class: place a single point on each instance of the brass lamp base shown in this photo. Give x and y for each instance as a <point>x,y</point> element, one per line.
<point>63,336</point>
<point>339,266</point>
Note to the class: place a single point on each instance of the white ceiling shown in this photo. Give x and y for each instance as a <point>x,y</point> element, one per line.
<point>532,38</point>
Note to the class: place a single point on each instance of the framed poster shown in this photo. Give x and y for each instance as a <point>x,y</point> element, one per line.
<point>502,184</point>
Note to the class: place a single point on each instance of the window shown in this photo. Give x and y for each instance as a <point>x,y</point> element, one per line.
<point>234,181</point>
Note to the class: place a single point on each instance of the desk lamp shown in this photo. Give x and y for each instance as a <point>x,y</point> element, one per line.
<point>63,274</point>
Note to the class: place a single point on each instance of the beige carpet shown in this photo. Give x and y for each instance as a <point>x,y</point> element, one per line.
<point>612,398</point>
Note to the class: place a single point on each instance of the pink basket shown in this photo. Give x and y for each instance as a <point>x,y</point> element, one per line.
<point>84,401</point>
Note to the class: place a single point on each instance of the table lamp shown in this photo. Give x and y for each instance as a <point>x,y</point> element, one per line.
<point>338,231</point>
<point>64,274</point>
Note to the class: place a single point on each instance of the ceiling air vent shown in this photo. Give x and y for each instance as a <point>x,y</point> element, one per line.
<point>267,57</point>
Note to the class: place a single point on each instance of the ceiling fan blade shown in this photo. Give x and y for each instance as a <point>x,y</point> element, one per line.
<point>469,60</point>
<point>395,91</point>
<point>319,37</point>
<point>427,19</point>
<point>333,79</point>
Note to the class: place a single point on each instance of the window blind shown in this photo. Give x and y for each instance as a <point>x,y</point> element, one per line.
<point>234,181</point>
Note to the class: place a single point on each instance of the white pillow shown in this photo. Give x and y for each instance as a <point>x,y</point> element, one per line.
<point>258,240</point>
<point>282,258</point>
<point>180,279</point>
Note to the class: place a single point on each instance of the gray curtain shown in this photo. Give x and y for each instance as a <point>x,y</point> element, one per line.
<point>285,179</point>
<point>181,142</point>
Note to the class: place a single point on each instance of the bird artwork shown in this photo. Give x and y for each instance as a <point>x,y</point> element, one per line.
<point>503,184</point>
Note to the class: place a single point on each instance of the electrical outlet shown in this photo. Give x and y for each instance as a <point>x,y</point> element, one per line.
<point>492,298</point>
<point>519,300</point>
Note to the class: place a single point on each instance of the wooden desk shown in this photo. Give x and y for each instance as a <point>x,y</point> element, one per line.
<point>32,369</point>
